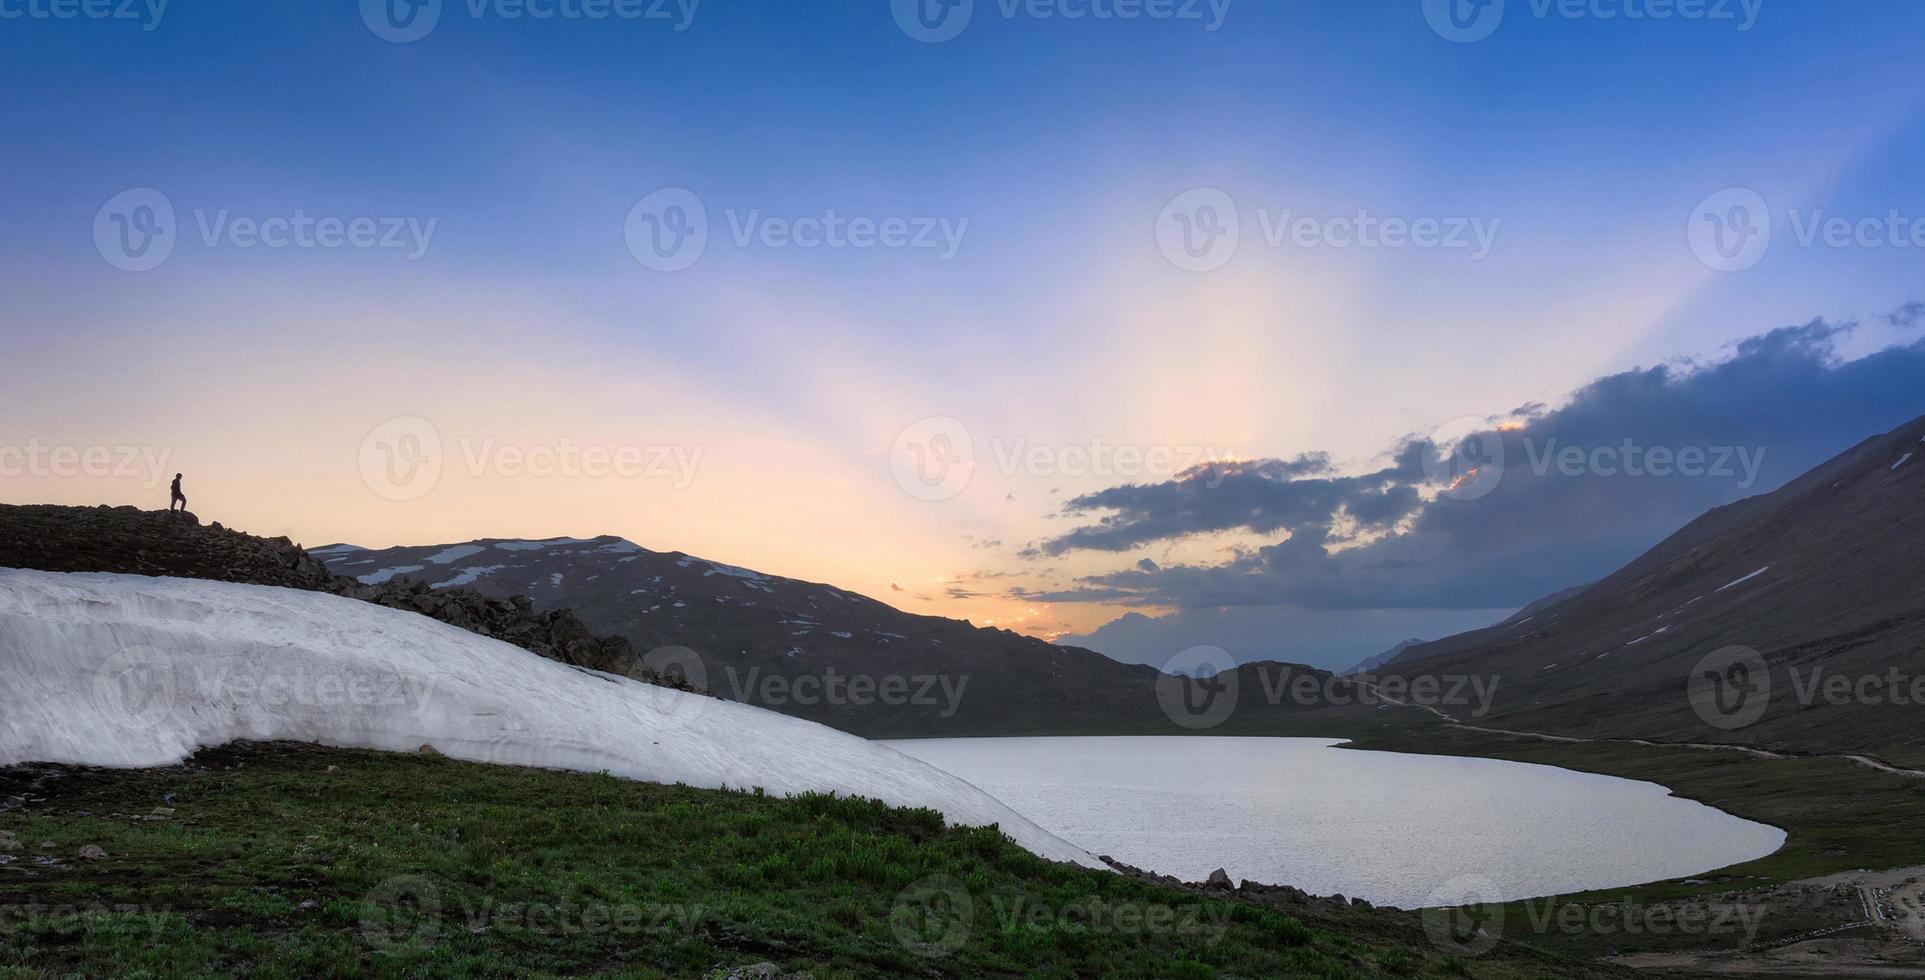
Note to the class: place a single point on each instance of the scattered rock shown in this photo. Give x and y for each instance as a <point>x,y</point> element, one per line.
<point>47,845</point>
<point>333,769</point>
<point>92,853</point>
<point>1220,879</point>
<point>8,845</point>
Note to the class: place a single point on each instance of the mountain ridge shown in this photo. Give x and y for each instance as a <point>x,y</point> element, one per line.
<point>1754,602</point>
<point>780,643</point>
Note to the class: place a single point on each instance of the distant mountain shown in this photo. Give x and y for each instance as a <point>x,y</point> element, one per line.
<point>1328,639</point>
<point>1420,649</point>
<point>1372,663</point>
<point>814,650</point>
<point>1824,579</point>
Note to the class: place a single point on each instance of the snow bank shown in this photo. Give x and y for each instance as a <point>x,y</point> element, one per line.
<point>120,670</point>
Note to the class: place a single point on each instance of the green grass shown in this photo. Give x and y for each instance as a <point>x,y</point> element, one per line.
<point>416,865</point>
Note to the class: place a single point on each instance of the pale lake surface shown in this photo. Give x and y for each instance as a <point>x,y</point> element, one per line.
<point>1394,829</point>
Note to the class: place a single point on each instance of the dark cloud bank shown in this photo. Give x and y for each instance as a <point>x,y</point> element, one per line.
<point>1564,511</point>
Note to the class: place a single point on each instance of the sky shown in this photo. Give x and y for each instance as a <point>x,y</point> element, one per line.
<point>1134,323</point>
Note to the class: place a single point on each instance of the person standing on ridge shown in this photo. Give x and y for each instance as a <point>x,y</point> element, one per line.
<point>178,498</point>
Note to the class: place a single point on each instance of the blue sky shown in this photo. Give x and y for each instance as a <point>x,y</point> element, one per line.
<point>1585,144</point>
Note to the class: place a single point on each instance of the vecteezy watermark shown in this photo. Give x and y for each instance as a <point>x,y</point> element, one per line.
<point>1464,916</point>
<point>1202,687</point>
<point>1734,229</point>
<point>1730,688</point>
<point>140,687</point>
<point>1730,231</point>
<point>1201,230</point>
<point>1632,917</point>
<point>1469,21</point>
<point>402,459</point>
<point>1478,692</point>
<point>40,461</point>
<point>1467,458</point>
<point>1199,687</point>
<point>406,915</point>
<point>669,230</point>
<point>933,917</point>
<point>1631,459</point>
<point>136,688</point>
<point>75,917</point>
<point>935,458</point>
<point>1733,687</point>
<point>936,21</point>
<point>941,692</point>
<point>936,916</point>
<point>138,230</point>
<point>146,13</point>
<point>406,21</point>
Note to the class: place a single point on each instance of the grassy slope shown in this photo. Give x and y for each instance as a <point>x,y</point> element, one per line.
<point>271,866</point>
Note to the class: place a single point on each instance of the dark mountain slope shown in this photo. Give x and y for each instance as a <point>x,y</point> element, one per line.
<point>1823,578</point>
<point>820,652</point>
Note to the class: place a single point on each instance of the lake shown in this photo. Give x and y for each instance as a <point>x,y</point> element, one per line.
<point>1394,829</point>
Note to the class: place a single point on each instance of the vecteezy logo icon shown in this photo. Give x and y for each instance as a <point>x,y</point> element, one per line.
<point>1464,916</point>
<point>668,230</point>
<point>1464,21</point>
<point>400,459</point>
<point>1198,687</point>
<point>1199,230</point>
<point>933,458</point>
<point>933,21</point>
<point>1465,456</point>
<point>1730,231</point>
<point>932,917</point>
<point>401,21</point>
<point>1730,688</point>
<point>136,688</point>
<point>135,230</point>
<point>401,913</point>
<point>666,706</point>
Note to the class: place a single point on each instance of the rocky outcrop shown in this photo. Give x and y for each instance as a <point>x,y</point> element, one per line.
<point>130,541</point>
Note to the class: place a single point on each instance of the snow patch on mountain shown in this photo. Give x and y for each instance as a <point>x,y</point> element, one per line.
<point>468,576</point>
<point>1742,581</point>
<point>128,671</point>
<point>455,554</point>
<point>376,578</point>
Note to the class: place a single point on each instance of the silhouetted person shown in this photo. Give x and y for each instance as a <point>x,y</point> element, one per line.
<point>178,498</point>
